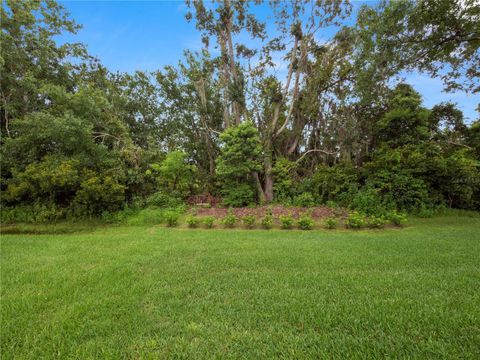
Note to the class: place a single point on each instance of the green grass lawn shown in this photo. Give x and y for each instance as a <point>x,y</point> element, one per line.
<point>152,292</point>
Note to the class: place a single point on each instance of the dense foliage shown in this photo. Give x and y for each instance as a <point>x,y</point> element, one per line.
<point>338,128</point>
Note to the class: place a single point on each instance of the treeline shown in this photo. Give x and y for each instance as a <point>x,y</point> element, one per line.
<point>336,127</point>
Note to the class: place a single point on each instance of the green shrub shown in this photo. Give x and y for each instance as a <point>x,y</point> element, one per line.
<point>208,221</point>
<point>425,212</point>
<point>305,222</point>
<point>286,221</point>
<point>304,200</point>
<point>34,213</point>
<point>238,195</point>
<point>192,221</point>
<point>330,223</point>
<point>149,216</point>
<point>284,186</point>
<point>330,182</point>
<point>376,222</point>
<point>175,176</point>
<point>355,220</point>
<point>171,218</point>
<point>267,221</point>
<point>230,220</point>
<point>367,201</point>
<point>99,194</point>
<point>397,218</point>
<point>249,221</point>
<point>163,199</point>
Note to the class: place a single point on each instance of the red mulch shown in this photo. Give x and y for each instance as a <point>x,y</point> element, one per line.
<point>277,210</point>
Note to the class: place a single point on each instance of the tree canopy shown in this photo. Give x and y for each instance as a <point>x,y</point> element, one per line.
<point>339,126</point>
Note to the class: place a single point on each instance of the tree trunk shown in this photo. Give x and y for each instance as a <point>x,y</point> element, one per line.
<point>261,193</point>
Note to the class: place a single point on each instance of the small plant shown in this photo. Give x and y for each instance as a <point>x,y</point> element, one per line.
<point>286,221</point>
<point>355,221</point>
<point>249,221</point>
<point>305,222</point>
<point>267,221</point>
<point>208,221</point>
<point>171,218</point>
<point>376,222</point>
<point>396,218</point>
<point>230,220</point>
<point>193,221</point>
<point>330,223</point>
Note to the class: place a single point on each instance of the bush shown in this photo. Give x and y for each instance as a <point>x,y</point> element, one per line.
<point>304,200</point>
<point>355,221</point>
<point>249,221</point>
<point>368,201</point>
<point>208,221</point>
<point>163,199</point>
<point>148,216</point>
<point>329,183</point>
<point>330,223</point>
<point>286,221</point>
<point>305,222</point>
<point>376,222</point>
<point>397,218</point>
<point>171,218</point>
<point>230,220</point>
<point>99,194</point>
<point>192,221</point>
<point>35,213</point>
<point>284,186</point>
<point>425,212</point>
<point>267,221</point>
<point>238,195</point>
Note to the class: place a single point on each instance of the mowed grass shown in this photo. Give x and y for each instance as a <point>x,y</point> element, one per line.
<point>152,292</point>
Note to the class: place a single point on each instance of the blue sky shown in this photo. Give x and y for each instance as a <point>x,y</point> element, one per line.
<point>147,35</point>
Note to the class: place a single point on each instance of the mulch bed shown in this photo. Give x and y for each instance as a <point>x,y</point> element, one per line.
<point>320,212</point>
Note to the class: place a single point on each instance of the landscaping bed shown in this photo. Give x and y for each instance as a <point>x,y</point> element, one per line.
<point>319,212</point>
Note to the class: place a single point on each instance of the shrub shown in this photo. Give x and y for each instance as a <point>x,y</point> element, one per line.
<point>304,200</point>
<point>284,186</point>
<point>35,213</point>
<point>355,220</point>
<point>367,201</point>
<point>163,199</point>
<point>328,183</point>
<point>397,218</point>
<point>376,222</point>
<point>171,218</point>
<point>425,212</point>
<point>398,188</point>
<point>192,221</point>
<point>230,220</point>
<point>305,222</point>
<point>267,221</point>
<point>208,221</point>
<point>99,194</point>
<point>330,223</point>
<point>286,221</point>
<point>249,221</point>
<point>174,175</point>
<point>238,195</point>
<point>148,216</point>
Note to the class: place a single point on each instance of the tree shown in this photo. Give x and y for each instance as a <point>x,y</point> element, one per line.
<point>31,58</point>
<point>406,122</point>
<point>440,37</point>
<point>238,162</point>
